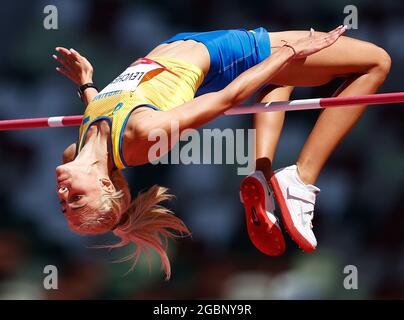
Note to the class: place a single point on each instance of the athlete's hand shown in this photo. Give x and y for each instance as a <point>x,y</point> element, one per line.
<point>74,66</point>
<point>315,42</point>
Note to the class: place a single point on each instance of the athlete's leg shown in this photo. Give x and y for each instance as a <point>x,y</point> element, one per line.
<point>268,127</point>
<point>366,67</point>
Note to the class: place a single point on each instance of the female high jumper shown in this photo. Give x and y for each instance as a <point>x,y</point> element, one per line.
<point>222,69</point>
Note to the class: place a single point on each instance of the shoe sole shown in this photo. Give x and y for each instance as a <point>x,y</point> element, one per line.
<point>296,236</point>
<point>266,236</point>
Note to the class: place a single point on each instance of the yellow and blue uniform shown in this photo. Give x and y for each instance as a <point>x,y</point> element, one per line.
<point>173,86</point>
<point>231,53</point>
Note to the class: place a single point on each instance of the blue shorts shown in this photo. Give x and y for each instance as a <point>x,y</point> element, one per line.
<point>231,53</point>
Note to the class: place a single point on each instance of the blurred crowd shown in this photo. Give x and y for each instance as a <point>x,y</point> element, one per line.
<point>359,218</point>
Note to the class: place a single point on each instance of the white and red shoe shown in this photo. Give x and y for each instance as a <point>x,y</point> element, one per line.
<point>262,225</point>
<point>296,201</point>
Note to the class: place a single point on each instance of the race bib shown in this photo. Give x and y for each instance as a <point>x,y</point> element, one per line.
<point>129,79</point>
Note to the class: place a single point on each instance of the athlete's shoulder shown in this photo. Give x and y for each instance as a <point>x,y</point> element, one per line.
<point>138,123</point>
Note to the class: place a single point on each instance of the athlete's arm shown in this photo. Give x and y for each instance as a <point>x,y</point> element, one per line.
<point>203,109</point>
<point>77,68</point>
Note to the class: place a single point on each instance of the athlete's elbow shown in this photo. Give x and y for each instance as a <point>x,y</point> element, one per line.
<point>227,97</point>
<point>236,94</point>
<point>69,153</point>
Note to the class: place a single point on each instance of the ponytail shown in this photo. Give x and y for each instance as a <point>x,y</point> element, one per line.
<point>149,225</point>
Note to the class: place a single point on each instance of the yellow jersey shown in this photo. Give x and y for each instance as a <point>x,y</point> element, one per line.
<point>160,83</point>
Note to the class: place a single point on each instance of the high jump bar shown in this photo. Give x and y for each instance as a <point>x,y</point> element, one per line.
<point>292,105</point>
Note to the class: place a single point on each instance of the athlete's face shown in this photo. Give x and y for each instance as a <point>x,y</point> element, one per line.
<point>79,189</point>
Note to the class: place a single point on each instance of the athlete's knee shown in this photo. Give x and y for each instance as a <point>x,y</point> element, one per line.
<point>383,62</point>
<point>273,92</point>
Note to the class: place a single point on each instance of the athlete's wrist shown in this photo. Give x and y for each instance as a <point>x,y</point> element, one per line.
<point>289,50</point>
<point>85,80</point>
<point>85,87</point>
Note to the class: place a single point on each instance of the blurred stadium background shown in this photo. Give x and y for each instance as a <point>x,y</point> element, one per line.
<point>359,219</point>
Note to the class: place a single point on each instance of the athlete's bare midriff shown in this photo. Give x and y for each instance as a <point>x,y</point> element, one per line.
<point>188,50</point>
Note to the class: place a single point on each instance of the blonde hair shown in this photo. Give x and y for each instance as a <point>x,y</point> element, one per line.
<point>143,221</point>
